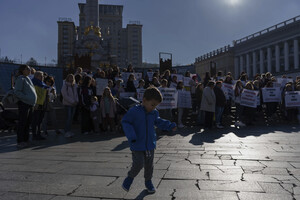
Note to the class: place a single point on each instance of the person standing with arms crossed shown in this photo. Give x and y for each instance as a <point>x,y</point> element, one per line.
<point>138,124</point>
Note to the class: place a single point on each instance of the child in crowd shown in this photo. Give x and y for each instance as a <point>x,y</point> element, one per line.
<point>180,87</point>
<point>108,110</point>
<point>95,113</point>
<point>138,124</point>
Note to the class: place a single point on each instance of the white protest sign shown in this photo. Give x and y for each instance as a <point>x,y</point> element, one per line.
<point>140,94</point>
<point>228,90</point>
<point>292,99</point>
<point>101,84</point>
<point>271,94</point>
<point>126,94</point>
<point>249,98</point>
<point>173,85</point>
<point>186,81</point>
<point>170,97</point>
<point>150,75</point>
<point>184,99</point>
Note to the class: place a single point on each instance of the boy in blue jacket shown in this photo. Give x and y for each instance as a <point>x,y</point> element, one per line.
<point>138,124</point>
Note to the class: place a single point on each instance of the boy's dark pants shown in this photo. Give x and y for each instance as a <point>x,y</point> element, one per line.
<point>142,159</point>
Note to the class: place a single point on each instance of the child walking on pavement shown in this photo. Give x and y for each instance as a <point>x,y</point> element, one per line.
<point>138,124</point>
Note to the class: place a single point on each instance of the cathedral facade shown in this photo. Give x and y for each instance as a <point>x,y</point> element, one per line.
<point>100,38</point>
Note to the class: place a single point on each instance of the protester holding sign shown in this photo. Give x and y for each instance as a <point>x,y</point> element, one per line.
<point>271,100</point>
<point>85,101</point>
<point>108,110</point>
<point>238,88</point>
<point>199,93</point>
<point>130,84</point>
<point>180,87</point>
<point>220,103</point>
<point>208,104</point>
<point>165,113</point>
<point>290,101</point>
<point>249,111</point>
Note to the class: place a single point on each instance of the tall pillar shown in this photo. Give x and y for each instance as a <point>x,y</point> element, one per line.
<point>286,56</point>
<point>277,58</point>
<point>248,65</point>
<point>254,63</point>
<point>261,61</point>
<point>269,56</point>
<point>296,54</point>
<point>241,64</point>
<point>236,67</point>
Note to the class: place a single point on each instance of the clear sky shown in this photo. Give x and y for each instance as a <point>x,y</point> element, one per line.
<point>185,28</point>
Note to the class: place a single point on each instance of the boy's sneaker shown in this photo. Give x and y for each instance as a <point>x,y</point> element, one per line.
<point>180,126</point>
<point>150,187</point>
<point>219,126</point>
<point>240,124</point>
<point>127,183</point>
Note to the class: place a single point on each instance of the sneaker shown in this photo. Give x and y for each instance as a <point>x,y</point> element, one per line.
<point>22,145</point>
<point>150,187</point>
<point>220,126</point>
<point>38,137</point>
<point>180,126</point>
<point>68,134</point>
<point>241,124</point>
<point>127,183</point>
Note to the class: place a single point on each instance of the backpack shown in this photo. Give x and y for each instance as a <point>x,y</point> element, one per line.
<point>10,98</point>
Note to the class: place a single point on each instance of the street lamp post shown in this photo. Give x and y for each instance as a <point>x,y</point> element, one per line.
<point>21,58</point>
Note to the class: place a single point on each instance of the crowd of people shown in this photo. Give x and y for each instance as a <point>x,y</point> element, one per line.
<point>99,113</point>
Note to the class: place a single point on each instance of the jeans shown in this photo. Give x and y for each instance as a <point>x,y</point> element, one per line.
<point>208,119</point>
<point>25,118</point>
<point>142,159</point>
<point>51,114</point>
<point>219,114</point>
<point>70,112</point>
<point>201,117</point>
<point>37,118</point>
<point>180,114</point>
<point>239,112</point>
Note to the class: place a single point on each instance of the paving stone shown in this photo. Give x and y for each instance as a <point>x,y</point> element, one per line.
<point>277,164</point>
<point>192,174</point>
<point>25,196</point>
<point>265,178</point>
<point>273,188</point>
<point>72,198</point>
<point>204,195</point>
<point>297,190</point>
<point>40,188</point>
<point>213,175</point>
<point>173,184</point>
<point>275,171</point>
<point>295,164</point>
<point>263,196</point>
<point>230,186</point>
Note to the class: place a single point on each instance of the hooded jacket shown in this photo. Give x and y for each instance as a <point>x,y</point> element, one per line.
<point>138,125</point>
<point>24,90</point>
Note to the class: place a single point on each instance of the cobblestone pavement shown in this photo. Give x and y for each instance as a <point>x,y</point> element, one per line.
<point>250,163</point>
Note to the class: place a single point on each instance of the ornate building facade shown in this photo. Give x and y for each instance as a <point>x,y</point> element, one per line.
<point>100,38</point>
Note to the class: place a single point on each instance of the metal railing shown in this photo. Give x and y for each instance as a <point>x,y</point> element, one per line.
<point>267,30</point>
<point>213,53</point>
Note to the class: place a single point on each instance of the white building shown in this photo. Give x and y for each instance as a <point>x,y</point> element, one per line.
<point>274,49</point>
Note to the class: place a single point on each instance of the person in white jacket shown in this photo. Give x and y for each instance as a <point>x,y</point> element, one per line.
<point>70,100</point>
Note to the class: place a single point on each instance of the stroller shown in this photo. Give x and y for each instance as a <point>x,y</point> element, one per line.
<point>8,119</point>
<point>123,105</point>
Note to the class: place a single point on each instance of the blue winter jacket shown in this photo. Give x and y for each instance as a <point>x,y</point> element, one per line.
<point>138,125</point>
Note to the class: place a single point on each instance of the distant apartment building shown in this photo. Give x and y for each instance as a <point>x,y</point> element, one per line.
<point>274,49</point>
<point>101,39</point>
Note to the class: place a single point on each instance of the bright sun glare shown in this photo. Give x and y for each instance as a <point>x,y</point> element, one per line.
<point>233,2</point>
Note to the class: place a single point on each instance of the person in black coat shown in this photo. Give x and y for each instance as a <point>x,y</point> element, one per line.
<point>220,103</point>
<point>130,84</point>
